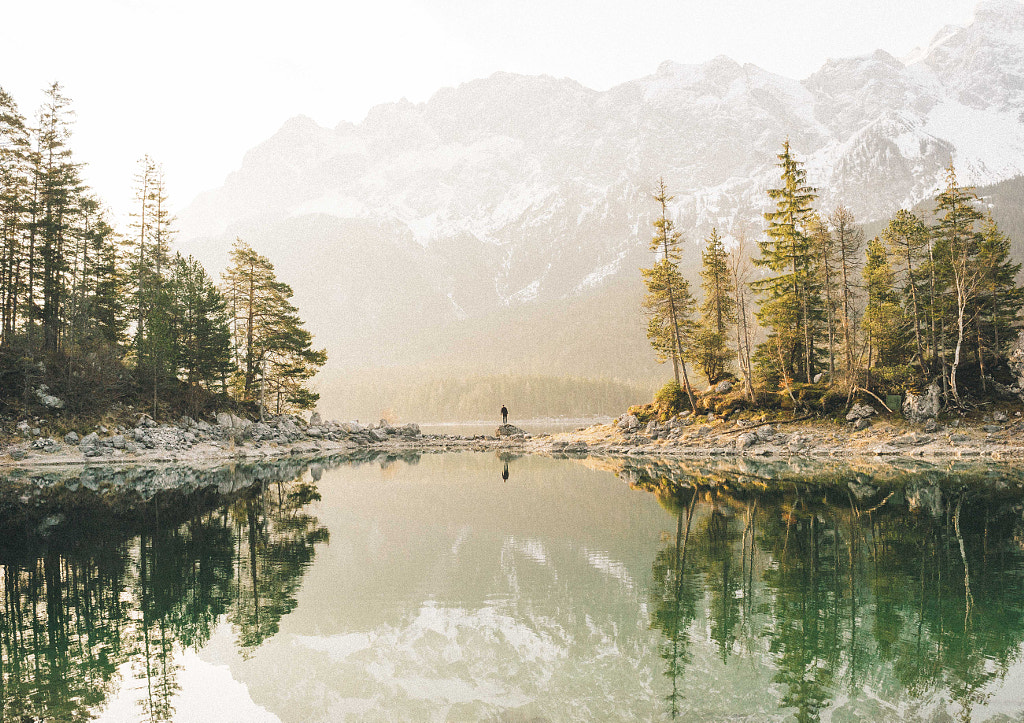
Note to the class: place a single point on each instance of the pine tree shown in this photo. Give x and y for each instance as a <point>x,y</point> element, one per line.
<point>999,299</point>
<point>201,351</point>
<point>791,306</point>
<point>15,147</point>
<point>668,300</point>
<point>273,351</point>
<point>825,250</point>
<point>848,240</point>
<point>717,312</point>
<point>57,191</point>
<point>960,243</point>
<point>884,321</point>
<point>906,237</point>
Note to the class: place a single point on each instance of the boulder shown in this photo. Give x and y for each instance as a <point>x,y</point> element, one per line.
<point>860,411</point>
<point>765,433</point>
<point>17,454</point>
<point>314,432</point>
<point>862,423</point>
<point>71,438</point>
<point>745,440</point>
<point>377,435</point>
<point>628,422</point>
<point>510,430</point>
<point>315,420</point>
<point>999,417</point>
<point>723,387</point>
<point>575,447</point>
<point>24,428</point>
<point>118,441</point>
<point>919,407</point>
<point>410,430</point>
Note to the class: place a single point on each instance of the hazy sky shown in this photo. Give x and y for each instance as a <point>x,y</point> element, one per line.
<point>195,83</point>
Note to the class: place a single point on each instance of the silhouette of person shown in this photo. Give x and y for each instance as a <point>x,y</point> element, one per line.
<point>504,415</point>
<point>504,472</point>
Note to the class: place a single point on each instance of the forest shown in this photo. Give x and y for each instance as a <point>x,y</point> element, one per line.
<point>93,316</point>
<point>930,300</point>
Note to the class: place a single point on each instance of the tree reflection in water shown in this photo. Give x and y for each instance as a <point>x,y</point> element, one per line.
<point>112,579</point>
<point>905,591</point>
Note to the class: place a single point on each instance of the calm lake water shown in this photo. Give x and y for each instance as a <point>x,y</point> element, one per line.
<point>434,589</point>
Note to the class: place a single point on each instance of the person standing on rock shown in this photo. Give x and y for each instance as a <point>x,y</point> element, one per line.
<point>504,415</point>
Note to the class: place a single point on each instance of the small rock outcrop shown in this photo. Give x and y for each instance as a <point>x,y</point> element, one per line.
<point>723,387</point>
<point>510,430</point>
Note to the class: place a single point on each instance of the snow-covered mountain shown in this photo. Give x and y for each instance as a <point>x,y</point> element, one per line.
<point>519,192</point>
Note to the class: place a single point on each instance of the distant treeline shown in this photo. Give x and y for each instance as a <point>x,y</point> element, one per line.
<point>406,396</point>
<point>100,315</point>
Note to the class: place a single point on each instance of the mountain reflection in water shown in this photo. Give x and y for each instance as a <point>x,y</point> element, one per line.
<point>699,590</point>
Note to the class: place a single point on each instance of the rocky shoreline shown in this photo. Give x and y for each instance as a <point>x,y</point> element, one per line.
<point>864,433</point>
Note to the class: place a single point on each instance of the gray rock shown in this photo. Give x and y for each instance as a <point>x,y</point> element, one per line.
<point>860,411</point>
<point>629,422</point>
<point>919,407</point>
<point>316,471</point>
<point>992,428</point>
<point>575,447</point>
<point>510,430</point>
<point>37,432</point>
<point>315,432</point>
<point>912,439</point>
<point>118,441</point>
<point>47,399</point>
<point>315,420</point>
<point>818,377</point>
<point>746,440</point>
<point>723,387</point>
<point>410,430</point>
<point>377,435</point>
<point>765,433</point>
<point>17,454</point>
<point>1016,360</point>
<point>862,423</point>
<point>931,426</point>
<point>999,417</point>
<point>71,438</point>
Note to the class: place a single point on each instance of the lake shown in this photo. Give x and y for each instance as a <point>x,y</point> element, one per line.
<point>468,587</point>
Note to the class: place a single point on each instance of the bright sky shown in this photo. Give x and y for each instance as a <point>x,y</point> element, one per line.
<point>196,83</point>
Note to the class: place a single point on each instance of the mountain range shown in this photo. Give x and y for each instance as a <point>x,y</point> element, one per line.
<point>500,225</point>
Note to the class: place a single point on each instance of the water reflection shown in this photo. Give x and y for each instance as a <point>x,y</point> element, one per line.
<point>102,575</point>
<point>892,596</point>
<point>703,591</point>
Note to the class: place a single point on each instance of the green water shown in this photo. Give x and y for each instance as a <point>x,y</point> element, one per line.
<point>433,589</point>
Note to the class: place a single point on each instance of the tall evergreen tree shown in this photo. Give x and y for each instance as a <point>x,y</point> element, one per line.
<point>791,304</point>
<point>999,299</point>
<point>201,331</point>
<point>15,148</point>
<point>884,320</point>
<point>274,353</point>
<point>848,245</point>
<point>906,237</point>
<point>960,242</point>
<point>717,312</point>
<point>57,191</point>
<point>668,300</point>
